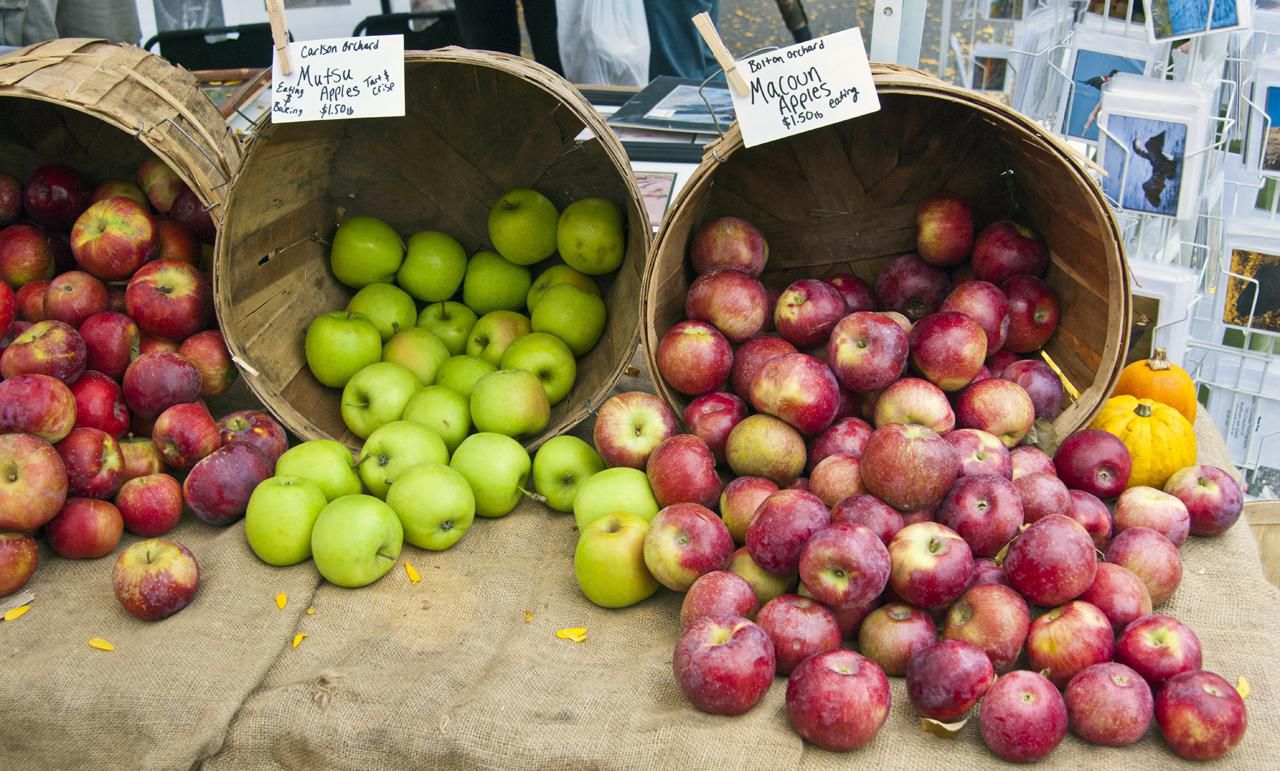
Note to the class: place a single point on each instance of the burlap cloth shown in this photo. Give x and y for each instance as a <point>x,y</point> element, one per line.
<point>464,668</point>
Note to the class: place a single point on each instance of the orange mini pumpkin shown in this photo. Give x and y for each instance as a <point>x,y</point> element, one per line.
<point>1162,381</point>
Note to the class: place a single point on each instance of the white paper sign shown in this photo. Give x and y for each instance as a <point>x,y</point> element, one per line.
<point>805,86</point>
<point>339,78</point>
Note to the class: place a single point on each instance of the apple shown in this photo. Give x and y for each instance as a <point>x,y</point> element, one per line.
<point>492,283</point>
<point>784,522</point>
<point>1033,313</point>
<point>155,579</point>
<point>169,299</point>
<point>1025,460</point>
<point>1212,498</point>
<point>629,426</point>
<point>984,303</point>
<point>1042,495</point>
<point>948,348</point>
<point>682,470</point>
<point>694,358</point>
<point>326,462</point>
<point>1005,249</point>
<point>389,308</point>
<point>184,434</point>
<point>74,296</point>
<point>799,389</point>
<point>460,375</point>
<point>148,344</point>
<point>435,505</point>
<point>718,594</point>
<point>160,184</point>
<point>979,452</point>
<point>1200,715</point>
<point>279,518</point>
<point>111,341</point>
<point>1109,704</point>
<point>999,407</point>
<point>356,540</point>
<point>365,251</point>
<point>85,528</point>
<point>140,457</point>
<point>945,680</point>
<point>95,467</point>
<point>37,404</point>
<point>523,226</point>
<point>99,404</point>
<point>449,321</point>
<point>575,316</point>
<point>912,400</point>
<point>1151,508</point>
<point>150,505</point>
<point>739,501</point>
<point>494,332</point>
<point>154,382</point>
<point>10,199</point>
<point>1150,556</point>
<point>867,351</point>
<point>560,467</point>
<point>1093,514</point>
<point>113,238</point>
<point>798,627</point>
<point>622,489</point>
<point>847,435</point>
<point>609,561</point>
<point>870,512</point>
<point>1119,594</point>
<point>497,468</point>
<point>393,449</point>
<point>25,258</point>
<point>911,286</point>
<point>33,487</point>
<point>45,348</point>
<point>189,211</point>
<point>554,276</point>
<point>686,540</point>
<point>844,565</point>
<point>838,700</point>
<point>55,195</point>
<point>986,571</point>
<point>857,293</point>
<point>806,312</point>
<point>443,410</point>
<point>723,665</point>
<point>992,617</point>
<point>257,428</point>
<point>208,352</point>
<point>712,416</point>
<point>764,446</point>
<point>892,634</point>
<point>378,394</point>
<point>175,241</point>
<point>908,467</point>
<point>985,510</point>
<point>218,487</point>
<point>60,245</point>
<point>1052,562</point>
<point>511,402</point>
<point>1093,461</point>
<point>1068,639</point>
<point>835,478</point>
<point>766,585</point>
<point>1023,717</point>
<point>944,229</point>
<point>546,356</point>
<point>930,564</point>
<point>433,267</point>
<point>728,242</point>
<point>751,357</point>
<point>30,302</point>
<point>733,302</point>
<point>1040,382</point>
<point>8,310</point>
<point>19,555</point>
<point>1158,647</point>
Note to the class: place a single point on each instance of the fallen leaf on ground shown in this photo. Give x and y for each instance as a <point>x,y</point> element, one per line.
<point>298,638</point>
<point>281,600</point>
<point>311,611</point>
<point>16,613</point>
<point>528,617</point>
<point>97,643</point>
<point>577,634</point>
<point>412,573</point>
<point>939,728</point>
<point>1242,687</point>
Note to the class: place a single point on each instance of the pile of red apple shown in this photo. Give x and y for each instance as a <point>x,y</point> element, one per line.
<point>931,538</point>
<point>111,346</point>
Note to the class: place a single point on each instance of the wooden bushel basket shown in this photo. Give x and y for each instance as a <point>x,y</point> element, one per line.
<point>476,125</point>
<point>843,199</point>
<point>103,108</point>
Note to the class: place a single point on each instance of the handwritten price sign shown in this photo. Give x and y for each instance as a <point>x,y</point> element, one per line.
<point>805,86</point>
<point>360,77</point>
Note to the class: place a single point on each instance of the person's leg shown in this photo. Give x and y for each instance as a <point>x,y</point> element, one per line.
<point>115,20</point>
<point>675,47</point>
<point>490,25</point>
<point>540,20</point>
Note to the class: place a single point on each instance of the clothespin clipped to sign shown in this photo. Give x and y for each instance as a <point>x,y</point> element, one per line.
<point>279,35</point>
<point>725,59</point>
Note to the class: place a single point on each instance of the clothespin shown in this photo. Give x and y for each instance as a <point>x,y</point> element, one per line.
<point>725,59</point>
<point>280,35</point>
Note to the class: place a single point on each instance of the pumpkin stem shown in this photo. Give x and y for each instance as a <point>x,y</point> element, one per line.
<point>1142,410</point>
<point>1158,361</point>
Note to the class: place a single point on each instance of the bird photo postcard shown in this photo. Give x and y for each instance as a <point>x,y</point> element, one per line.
<point>1252,296</point>
<point>1177,19</point>
<point>1095,59</point>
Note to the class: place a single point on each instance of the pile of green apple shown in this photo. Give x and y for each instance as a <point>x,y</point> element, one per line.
<point>445,364</point>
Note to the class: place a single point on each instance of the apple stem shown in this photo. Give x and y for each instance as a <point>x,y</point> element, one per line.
<point>532,495</point>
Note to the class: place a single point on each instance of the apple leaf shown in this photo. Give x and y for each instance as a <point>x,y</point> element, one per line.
<point>412,573</point>
<point>99,644</point>
<point>577,634</point>
<point>281,600</point>
<point>298,638</point>
<point>13,614</point>
<point>1242,687</point>
<point>941,729</point>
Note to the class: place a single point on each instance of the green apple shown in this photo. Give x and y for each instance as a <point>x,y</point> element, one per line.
<point>560,466</point>
<point>435,505</point>
<point>365,251</point>
<point>766,585</point>
<point>621,489</point>
<point>356,540</point>
<point>279,518</point>
<point>340,344</point>
<point>522,226</point>
<point>609,561</point>
<point>497,469</point>
<point>589,236</point>
<point>393,449</point>
<point>494,284</point>
<point>495,331</point>
<point>555,275</point>
<point>444,411</point>
<point>326,462</point>
<point>574,316</point>
<point>433,267</point>
<point>451,322</point>
<point>377,395</point>
<point>548,358</point>
<point>388,307</point>
<point>510,402</point>
<point>419,350</point>
<point>460,373</point>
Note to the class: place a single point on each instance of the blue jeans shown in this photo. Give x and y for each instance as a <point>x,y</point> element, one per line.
<point>675,47</point>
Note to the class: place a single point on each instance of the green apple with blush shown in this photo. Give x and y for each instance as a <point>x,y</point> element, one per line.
<point>394,449</point>
<point>433,266</point>
<point>365,251</point>
<point>377,395</point>
<point>279,518</point>
<point>576,317</point>
<point>451,322</point>
<point>461,373</point>
<point>560,466</point>
<point>435,505</point>
<point>617,489</point>
<point>356,540</point>
<point>494,284</point>
<point>494,332</point>
<point>497,469</point>
<point>444,411</point>
<point>609,561</point>
<point>548,358</point>
<point>327,462</point>
<point>419,350</point>
<point>389,308</point>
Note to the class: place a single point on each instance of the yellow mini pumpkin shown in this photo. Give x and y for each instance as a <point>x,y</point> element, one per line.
<point>1159,438</point>
<point>1160,380</point>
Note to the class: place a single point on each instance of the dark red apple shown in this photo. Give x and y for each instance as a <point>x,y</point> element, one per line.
<point>984,303</point>
<point>984,510</point>
<point>718,594</point>
<point>1033,313</point>
<point>944,229</point>
<point>33,482</point>
<point>847,435</point>
<point>732,301</point>
<point>837,700</point>
<point>911,286</point>
<point>1040,382</point>
<point>857,293</point>
<point>111,341</point>
<point>948,348</point>
<point>1005,249</point>
<point>8,311</point>
<point>945,680</point>
<point>1212,498</point>
<point>1151,557</point>
<point>798,388</point>
<point>867,351</point>
<point>930,564</point>
<point>979,452</point>
<point>37,404</point>
<point>712,416</point>
<point>992,617</point>
<point>681,469</point>
<point>750,358</point>
<point>694,358</point>
<point>175,241</point>
<point>1094,461</point>
<point>908,467</point>
<point>10,204</point>
<point>806,312</point>
<point>798,627</point>
<point>986,571</point>
<point>844,565</point>
<point>1093,515</point>
<point>30,301</point>
<point>85,529</point>
<point>1068,639</point>
<point>95,466</point>
<point>1025,459</point>
<point>219,486</point>
<point>1042,495</point>
<point>728,242</point>
<point>169,299</point>
<point>73,297</point>
<point>257,428</point>
<point>190,211</point>
<point>783,524</point>
<point>184,434</point>
<point>870,512</point>
<point>891,634</point>
<point>1158,647</point>
<point>1200,715</point>
<point>998,361</point>
<point>150,505</point>
<point>1109,704</point>
<point>1052,562</point>
<point>19,552</point>
<point>1023,717</point>
<point>154,382</point>
<point>100,404</point>
<point>1119,594</point>
<point>208,351</point>
<point>55,196</point>
<point>723,665</point>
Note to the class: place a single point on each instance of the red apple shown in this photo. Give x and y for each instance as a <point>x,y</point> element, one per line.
<point>893,633</point>
<point>1148,507</point>
<point>1093,461</point>
<point>1005,249</point>
<point>86,528</point>
<point>723,665</point>
<point>750,358</point>
<point>945,680</point>
<point>986,571</point>
<point>33,482</point>
<point>1052,562</point>
<point>732,301</point>
<point>948,348</point>
<point>156,578</point>
<point>1109,704</point>
<point>1067,640</point>
<point>835,478</point>
<point>806,312</point>
<point>798,627</point>
<point>979,452</point>
<point>257,428</point>
<point>189,210</point>
<point>919,515</point>
<point>1023,717</point>
<point>728,242</point>
<point>850,619</point>
<point>739,501</point>
<point>867,351</point>
<point>25,257</point>
<point>686,540</point>
<point>1151,557</point>
<point>111,341</point>
<point>999,407</point>
<point>1212,498</point>
<point>844,565</point>
<point>100,404</point>
<point>47,348</point>
<point>8,309</point>
<point>1119,594</point>
<point>837,700</point>
<point>19,554</point>
<point>160,184</point>
<point>911,286</point>
<point>931,564</point>
<point>208,351</point>
<point>944,229</point>
<point>629,426</point>
<point>10,201</point>
<point>783,524</point>
<point>718,594</point>
<point>1093,515</point>
<point>992,617</point>
<point>912,400</point>
<point>1025,460</point>
<point>37,404</point>
<point>113,238</point>
<point>73,297</point>
<point>870,512</point>
<point>682,470</point>
<point>1033,313</point>
<point>908,467</point>
<point>141,457</point>
<point>799,389</point>
<point>1041,383</point>
<point>1200,715</point>
<point>60,244</point>
<point>218,487</point>
<point>55,196</point>
<point>175,241</point>
<point>694,358</point>
<point>154,382</point>
<point>712,416</point>
<point>984,510</point>
<point>184,434</point>
<point>113,188</point>
<point>147,344</point>
<point>95,466</point>
<point>764,446</point>
<point>985,304</point>
<point>150,505</point>
<point>1158,647</point>
<point>30,301</point>
<point>857,293</point>
<point>169,299</point>
<point>847,435</point>
<point>1042,495</point>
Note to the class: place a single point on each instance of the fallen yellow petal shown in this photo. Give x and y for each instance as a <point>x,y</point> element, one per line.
<point>944,730</point>
<point>281,600</point>
<point>311,611</point>
<point>298,638</point>
<point>16,613</point>
<point>412,573</point>
<point>528,617</point>
<point>577,634</point>
<point>1242,687</point>
<point>100,644</point>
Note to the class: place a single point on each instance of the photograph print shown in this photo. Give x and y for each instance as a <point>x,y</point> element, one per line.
<point>1271,141</point>
<point>1257,300</point>
<point>990,73</point>
<point>1004,10</point>
<point>1090,73</point>
<point>1180,18</point>
<point>1154,152</point>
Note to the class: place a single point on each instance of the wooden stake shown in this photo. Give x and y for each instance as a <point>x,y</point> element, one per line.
<point>725,59</point>
<point>280,35</point>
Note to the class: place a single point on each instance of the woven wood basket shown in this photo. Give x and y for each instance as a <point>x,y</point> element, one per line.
<point>1264,519</point>
<point>843,198</point>
<point>476,125</point>
<point>103,108</point>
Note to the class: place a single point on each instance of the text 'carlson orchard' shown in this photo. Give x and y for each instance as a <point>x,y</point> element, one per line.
<point>341,78</point>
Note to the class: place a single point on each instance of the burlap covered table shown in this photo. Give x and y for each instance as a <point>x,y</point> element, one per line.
<point>464,668</point>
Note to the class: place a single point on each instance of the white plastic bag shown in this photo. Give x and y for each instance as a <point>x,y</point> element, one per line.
<point>603,42</point>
